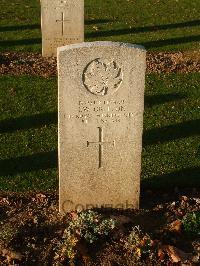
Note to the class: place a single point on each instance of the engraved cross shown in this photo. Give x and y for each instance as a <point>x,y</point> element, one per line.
<point>100,143</point>
<point>62,20</point>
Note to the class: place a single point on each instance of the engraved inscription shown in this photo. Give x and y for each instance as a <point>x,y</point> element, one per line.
<point>103,111</point>
<point>100,143</point>
<point>56,42</point>
<point>102,77</point>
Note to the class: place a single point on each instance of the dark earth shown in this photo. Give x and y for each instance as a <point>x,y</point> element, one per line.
<point>32,229</point>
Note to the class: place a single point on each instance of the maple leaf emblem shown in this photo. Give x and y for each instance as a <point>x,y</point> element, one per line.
<point>102,77</point>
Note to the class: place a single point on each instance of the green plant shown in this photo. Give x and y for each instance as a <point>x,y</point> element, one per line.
<point>87,225</point>
<point>191,223</point>
<point>138,243</point>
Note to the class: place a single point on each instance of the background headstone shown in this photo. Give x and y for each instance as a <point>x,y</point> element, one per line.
<point>101,102</point>
<point>62,24</point>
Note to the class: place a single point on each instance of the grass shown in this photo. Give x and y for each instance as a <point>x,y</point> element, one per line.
<point>28,132</point>
<point>170,25</point>
<point>171,151</point>
<point>28,105</point>
<point>28,138</point>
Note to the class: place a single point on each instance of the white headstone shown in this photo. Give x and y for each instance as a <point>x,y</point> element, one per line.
<point>101,102</point>
<point>62,24</point>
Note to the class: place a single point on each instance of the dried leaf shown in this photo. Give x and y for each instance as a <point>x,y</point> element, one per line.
<point>175,227</point>
<point>11,255</point>
<point>161,254</point>
<point>4,201</point>
<point>184,198</point>
<point>41,198</point>
<point>176,255</point>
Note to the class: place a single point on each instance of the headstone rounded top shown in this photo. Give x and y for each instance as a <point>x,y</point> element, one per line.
<point>100,44</point>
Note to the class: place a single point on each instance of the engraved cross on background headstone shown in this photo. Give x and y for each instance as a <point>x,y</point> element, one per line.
<point>100,143</point>
<point>62,20</point>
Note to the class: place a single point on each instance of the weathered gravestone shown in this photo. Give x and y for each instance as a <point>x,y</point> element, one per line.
<point>62,23</point>
<point>101,101</point>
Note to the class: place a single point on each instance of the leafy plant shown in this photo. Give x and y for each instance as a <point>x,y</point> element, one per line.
<point>138,243</point>
<point>89,226</point>
<point>191,223</point>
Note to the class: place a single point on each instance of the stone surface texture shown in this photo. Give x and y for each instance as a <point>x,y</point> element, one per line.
<point>101,103</point>
<point>62,24</point>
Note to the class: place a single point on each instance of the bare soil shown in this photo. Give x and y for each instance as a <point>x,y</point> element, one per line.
<point>32,230</point>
